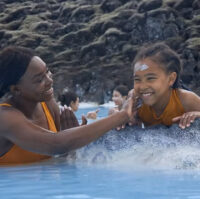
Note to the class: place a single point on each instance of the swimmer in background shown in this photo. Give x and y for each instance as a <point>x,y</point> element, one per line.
<point>70,99</point>
<point>119,96</point>
<point>156,74</point>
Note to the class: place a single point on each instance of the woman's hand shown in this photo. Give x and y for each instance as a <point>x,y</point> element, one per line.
<point>186,119</point>
<point>130,106</point>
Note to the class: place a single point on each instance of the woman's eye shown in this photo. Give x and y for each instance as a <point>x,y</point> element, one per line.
<point>40,80</point>
<point>49,73</point>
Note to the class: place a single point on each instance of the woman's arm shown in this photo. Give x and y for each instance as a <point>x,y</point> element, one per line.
<point>21,131</point>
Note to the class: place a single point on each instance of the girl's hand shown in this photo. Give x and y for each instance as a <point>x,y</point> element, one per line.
<point>186,119</point>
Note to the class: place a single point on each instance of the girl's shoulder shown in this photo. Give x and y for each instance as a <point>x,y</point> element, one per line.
<point>189,100</point>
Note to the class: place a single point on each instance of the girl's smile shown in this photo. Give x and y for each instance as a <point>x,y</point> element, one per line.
<point>153,84</point>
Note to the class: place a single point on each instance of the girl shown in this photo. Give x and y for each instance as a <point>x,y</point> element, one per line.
<point>157,83</point>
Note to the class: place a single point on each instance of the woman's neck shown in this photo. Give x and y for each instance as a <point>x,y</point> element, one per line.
<point>27,107</point>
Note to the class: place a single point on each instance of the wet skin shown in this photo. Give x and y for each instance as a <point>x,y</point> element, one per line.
<point>153,84</point>
<point>25,124</point>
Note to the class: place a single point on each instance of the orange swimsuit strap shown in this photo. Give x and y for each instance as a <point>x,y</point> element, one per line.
<point>17,155</point>
<point>5,104</point>
<point>173,109</point>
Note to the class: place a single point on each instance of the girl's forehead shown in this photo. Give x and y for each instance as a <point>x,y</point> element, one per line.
<point>146,65</point>
<point>140,67</point>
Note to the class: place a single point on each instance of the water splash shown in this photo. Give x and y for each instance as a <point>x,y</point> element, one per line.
<point>155,147</point>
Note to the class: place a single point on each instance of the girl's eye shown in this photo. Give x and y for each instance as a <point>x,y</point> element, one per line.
<point>151,78</point>
<point>136,80</point>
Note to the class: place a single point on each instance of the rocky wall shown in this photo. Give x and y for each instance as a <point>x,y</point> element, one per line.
<point>90,44</point>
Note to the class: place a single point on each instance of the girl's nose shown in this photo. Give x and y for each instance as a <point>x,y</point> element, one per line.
<point>143,85</point>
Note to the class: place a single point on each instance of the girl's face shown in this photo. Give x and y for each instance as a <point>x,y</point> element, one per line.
<point>75,105</point>
<point>152,83</point>
<point>117,98</point>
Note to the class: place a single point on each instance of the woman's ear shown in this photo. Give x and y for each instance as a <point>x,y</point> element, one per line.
<point>15,90</point>
<point>71,104</point>
<point>172,78</point>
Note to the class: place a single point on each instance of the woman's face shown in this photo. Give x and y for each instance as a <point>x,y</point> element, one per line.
<point>75,105</point>
<point>117,98</point>
<point>36,83</point>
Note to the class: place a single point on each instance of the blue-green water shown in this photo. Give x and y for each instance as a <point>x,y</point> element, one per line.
<point>114,167</point>
<point>64,181</point>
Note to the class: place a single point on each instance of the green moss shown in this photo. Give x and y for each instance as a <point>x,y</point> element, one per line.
<point>193,43</point>
<point>113,31</point>
<point>196,19</point>
<point>29,21</point>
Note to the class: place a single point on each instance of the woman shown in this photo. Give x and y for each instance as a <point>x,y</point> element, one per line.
<point>119,96</point>
<point>30,117</point>
<point>70,99</point>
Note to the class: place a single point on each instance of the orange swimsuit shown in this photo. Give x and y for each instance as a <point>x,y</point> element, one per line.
<point>173,109</point>
<point>17,155</point>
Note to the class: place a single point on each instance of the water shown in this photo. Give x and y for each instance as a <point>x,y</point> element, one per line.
<point>161,163</point>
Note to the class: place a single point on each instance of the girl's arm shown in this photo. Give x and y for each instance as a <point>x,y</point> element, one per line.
<point>191,104</point>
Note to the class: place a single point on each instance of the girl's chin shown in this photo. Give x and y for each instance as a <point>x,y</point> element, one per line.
<point>148,103</point>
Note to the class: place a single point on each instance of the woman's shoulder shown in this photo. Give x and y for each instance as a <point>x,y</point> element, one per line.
<point>9,117</point>
<point>189,100</point>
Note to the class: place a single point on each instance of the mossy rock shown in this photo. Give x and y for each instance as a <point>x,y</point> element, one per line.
<point>183,4</point>
<point>82,14</point>
<point>147,5</point>
<point>193,43</point>
<point>111,5</point>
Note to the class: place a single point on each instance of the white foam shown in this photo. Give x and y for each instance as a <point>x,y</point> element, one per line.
<point>83,105</point>
<point>145,149</point>
<point>87,105</point>
<point>110,104</point>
